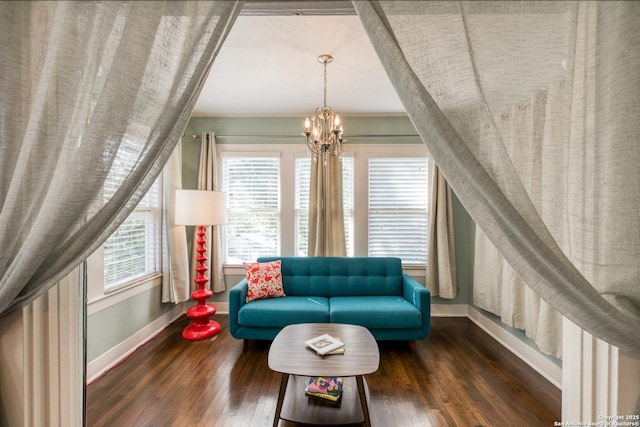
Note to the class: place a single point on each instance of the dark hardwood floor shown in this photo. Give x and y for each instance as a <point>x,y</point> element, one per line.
<point>459,376</point>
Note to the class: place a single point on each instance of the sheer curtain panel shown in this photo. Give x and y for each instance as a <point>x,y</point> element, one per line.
<point>326,214</point>
<point>441,249</point>
<point>87,86</point>
<point>175,252</point>
<point>458,67</point>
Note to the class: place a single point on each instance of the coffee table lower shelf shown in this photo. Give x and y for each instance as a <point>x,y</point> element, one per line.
<point>299,408</point>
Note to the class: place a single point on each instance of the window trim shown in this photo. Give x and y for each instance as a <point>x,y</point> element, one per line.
<point>426,195</point>
<point>244,154</point>
<point>98,296</point>
<point>156,213</point>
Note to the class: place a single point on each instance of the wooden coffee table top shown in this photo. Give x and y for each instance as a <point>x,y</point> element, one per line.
<point>289,355</point>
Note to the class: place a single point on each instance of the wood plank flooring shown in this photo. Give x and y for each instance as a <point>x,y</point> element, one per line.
<point>459,376</point>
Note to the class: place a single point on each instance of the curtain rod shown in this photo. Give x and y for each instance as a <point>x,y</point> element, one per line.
<point>271,137</point>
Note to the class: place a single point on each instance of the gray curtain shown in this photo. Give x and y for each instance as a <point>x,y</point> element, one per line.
<point>459,66</point>
<point>326,215</point>
<point>88,86</point>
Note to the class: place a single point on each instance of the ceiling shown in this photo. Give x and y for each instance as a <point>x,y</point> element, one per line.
<point>268,65</point>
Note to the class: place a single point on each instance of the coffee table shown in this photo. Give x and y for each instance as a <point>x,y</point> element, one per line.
<point>289,356</point>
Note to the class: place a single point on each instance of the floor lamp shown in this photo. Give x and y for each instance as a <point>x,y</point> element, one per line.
<point>200,208</point>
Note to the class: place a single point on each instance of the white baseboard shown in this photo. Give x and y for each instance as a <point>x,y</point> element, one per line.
<point>449,310</point>
<point>221,307</point>
<point>111,358</point>
<point>533,358</point>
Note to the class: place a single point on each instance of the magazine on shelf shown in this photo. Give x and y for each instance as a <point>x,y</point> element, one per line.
<point>324,344</point>
<point>327,388</point>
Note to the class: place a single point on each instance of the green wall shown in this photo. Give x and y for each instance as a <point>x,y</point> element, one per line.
<point>284,130</point>
<point>109,327</point>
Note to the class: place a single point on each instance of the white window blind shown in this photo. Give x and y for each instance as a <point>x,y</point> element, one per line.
<point>303,171</point>
<point>398,208</point>
<point>133,250</point>
<point>252,185</point>
<point>347,199</point>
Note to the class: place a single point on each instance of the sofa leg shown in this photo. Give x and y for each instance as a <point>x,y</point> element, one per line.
<point>245,345</point>
<point>412,346</point>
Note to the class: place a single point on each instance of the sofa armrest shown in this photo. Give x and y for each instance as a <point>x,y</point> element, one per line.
<point>237,298</point>
<point>417,295</point>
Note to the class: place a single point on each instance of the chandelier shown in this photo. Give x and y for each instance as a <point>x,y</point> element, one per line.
<point>324,130</point>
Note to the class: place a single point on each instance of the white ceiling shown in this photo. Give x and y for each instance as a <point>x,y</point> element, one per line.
<point>268,67</point>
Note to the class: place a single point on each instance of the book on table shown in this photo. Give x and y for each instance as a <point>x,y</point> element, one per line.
<point>339,350</point>
<point>327,388</point>
<point>324,344</point>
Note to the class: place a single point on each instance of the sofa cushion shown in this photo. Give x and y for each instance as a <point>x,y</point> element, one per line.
<point>280,312</point>
<point>264,280</point>
<point>375,312</point>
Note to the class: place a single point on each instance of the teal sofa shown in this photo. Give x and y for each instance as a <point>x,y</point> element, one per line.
<point>369,291</point>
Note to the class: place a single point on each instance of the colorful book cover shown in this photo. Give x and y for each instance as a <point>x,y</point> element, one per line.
<point>329,388</point>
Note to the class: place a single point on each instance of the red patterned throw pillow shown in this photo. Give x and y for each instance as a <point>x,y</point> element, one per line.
<point>264,279</point>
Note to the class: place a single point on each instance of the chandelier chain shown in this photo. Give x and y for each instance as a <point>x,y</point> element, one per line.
<point>325,83</point>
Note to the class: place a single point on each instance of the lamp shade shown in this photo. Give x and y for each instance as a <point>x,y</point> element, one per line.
<point>200,207</point>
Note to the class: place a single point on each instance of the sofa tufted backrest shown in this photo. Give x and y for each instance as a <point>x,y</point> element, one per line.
<point>340,276</point>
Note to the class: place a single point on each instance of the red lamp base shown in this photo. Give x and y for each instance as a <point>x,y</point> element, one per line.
<point>201,327</point>
<point>196,331</point>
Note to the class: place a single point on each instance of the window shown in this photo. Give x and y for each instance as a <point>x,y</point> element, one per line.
<point>303,176</point>
<point>303,171</point>
<point>267,188</point>
<point>252,184</point>
<point>398,208</point>
<point>133,250</point>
